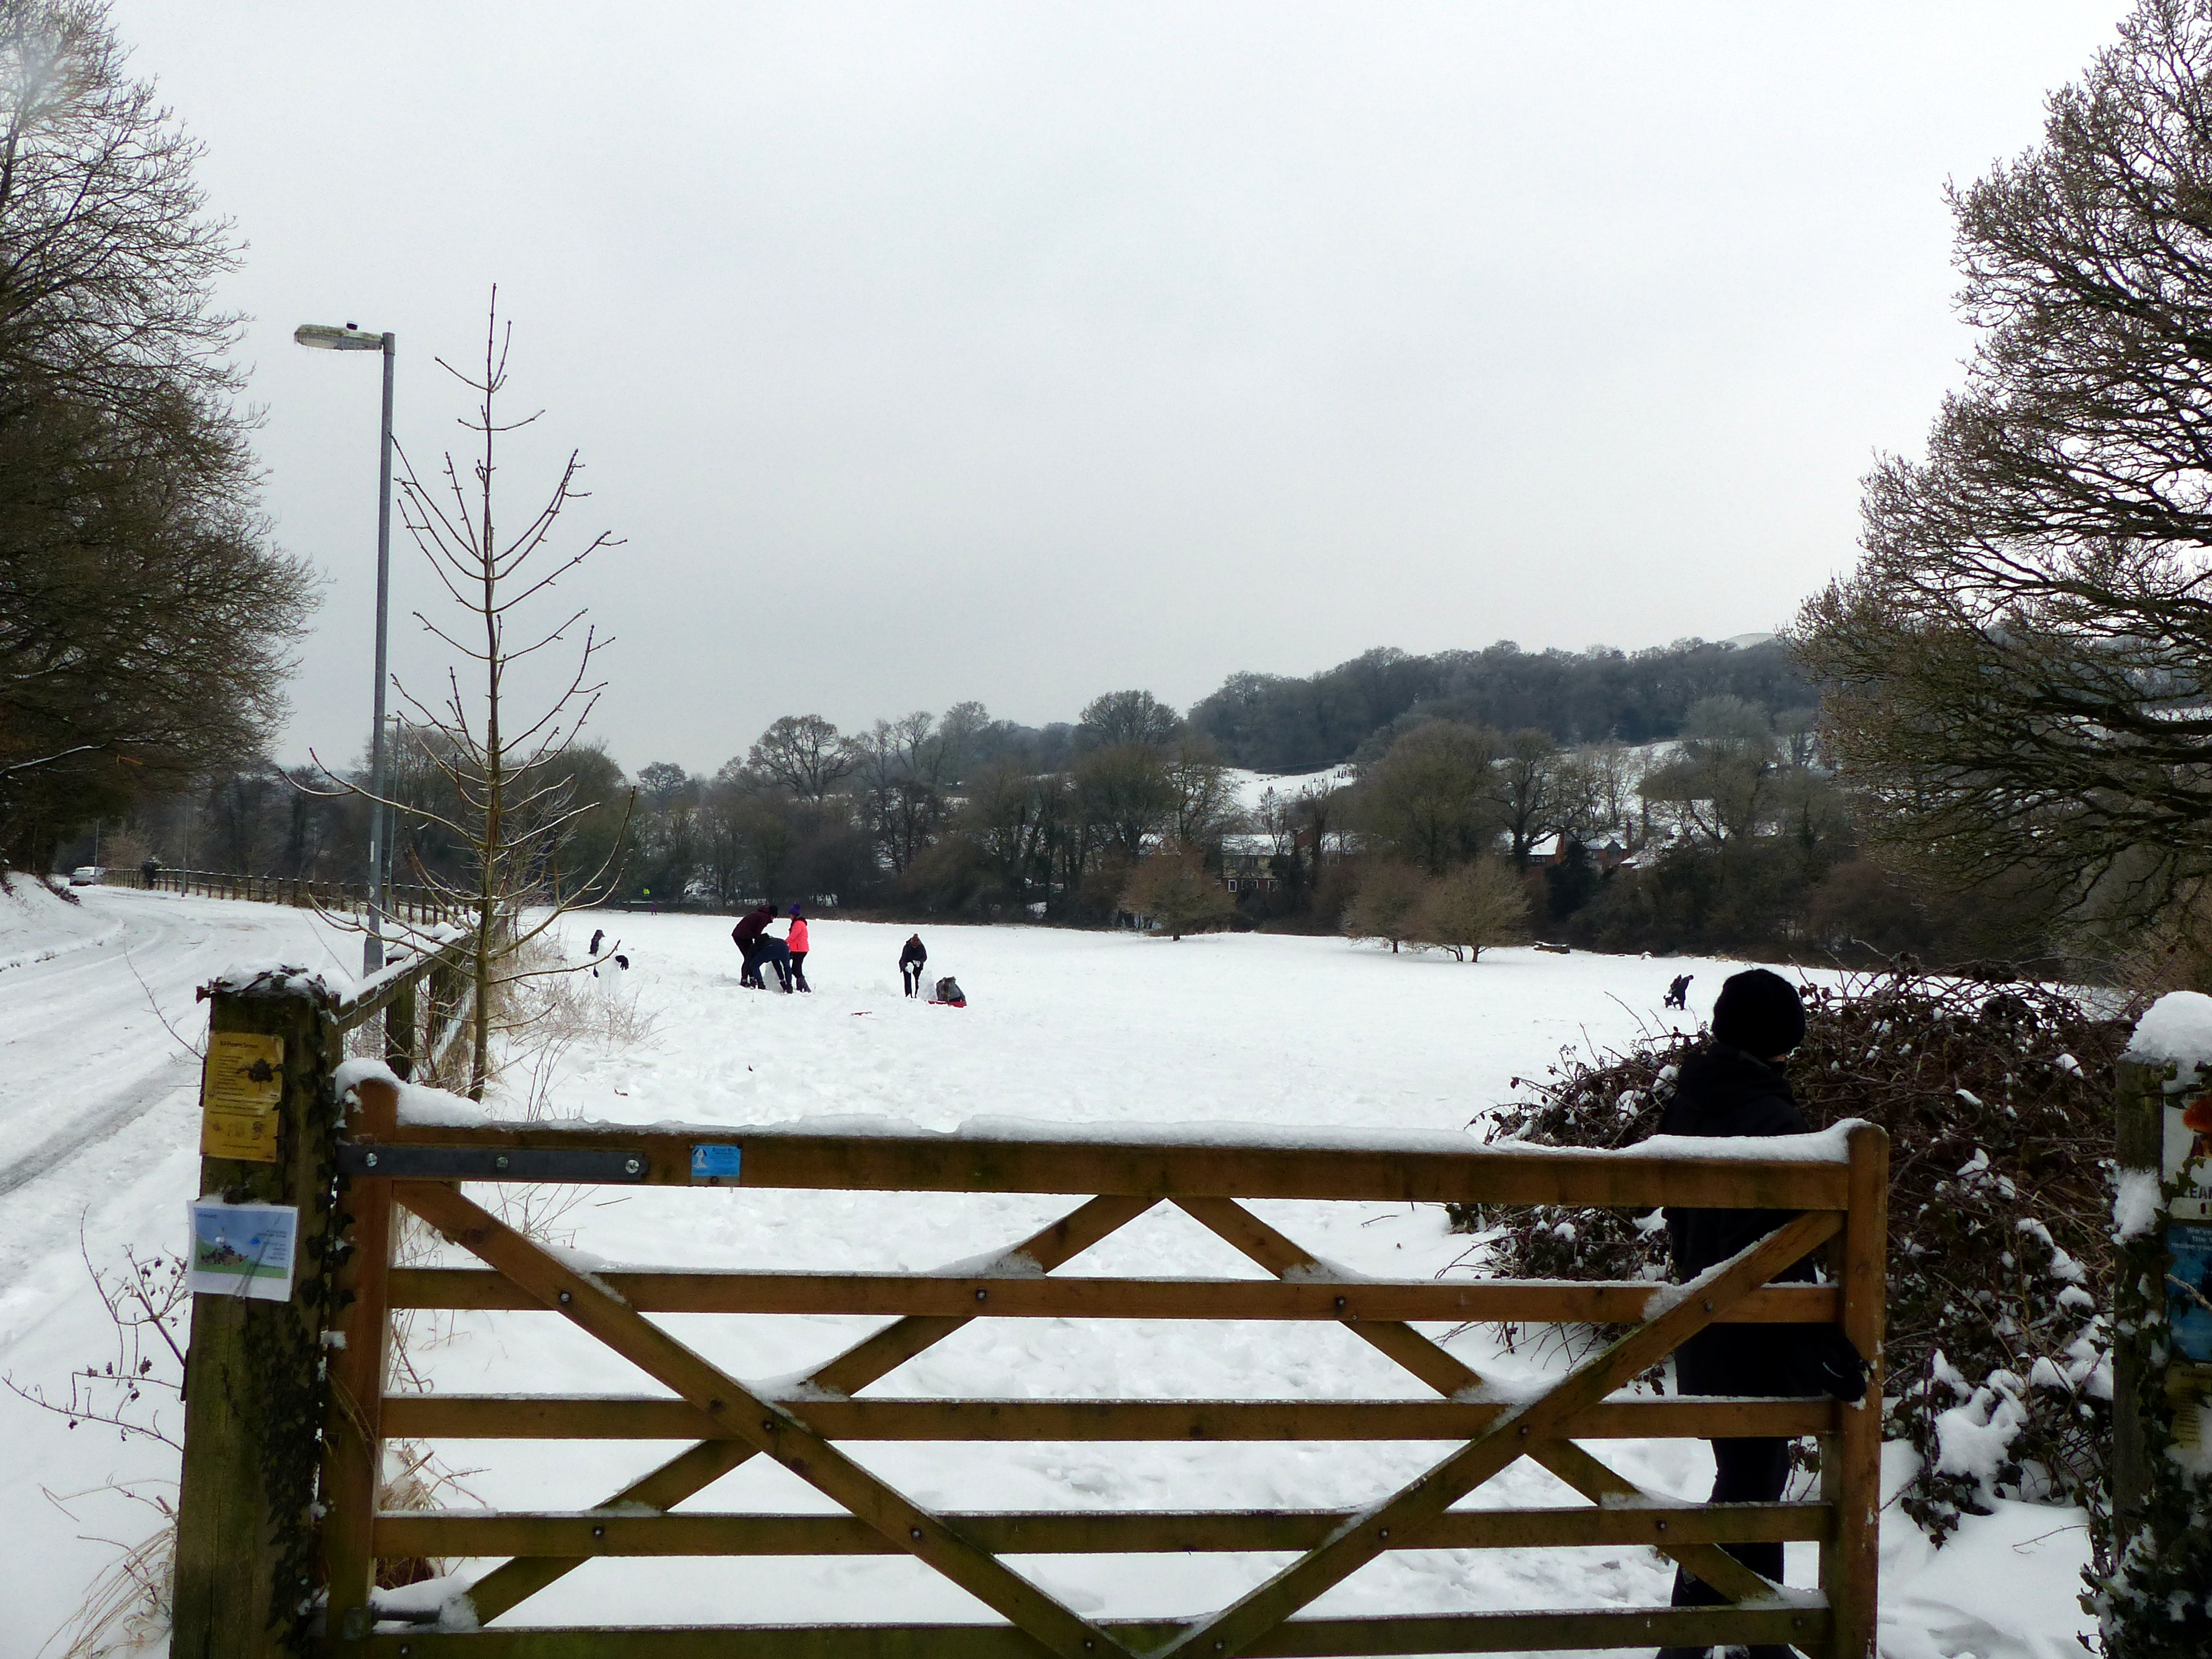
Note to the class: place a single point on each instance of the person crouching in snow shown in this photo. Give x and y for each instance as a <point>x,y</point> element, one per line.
<point>777,955</point>
<point>795,941</point>
<point>1735,1086</point>
<point>910,964</point>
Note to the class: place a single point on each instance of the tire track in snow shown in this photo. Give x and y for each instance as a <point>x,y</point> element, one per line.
<point>89,1048</point>
<point>133,1105</point>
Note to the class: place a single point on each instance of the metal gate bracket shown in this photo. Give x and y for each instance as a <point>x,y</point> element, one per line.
<point>402,1163</point>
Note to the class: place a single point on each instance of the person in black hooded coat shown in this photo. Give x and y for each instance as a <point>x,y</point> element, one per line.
<point>1735,1086</point>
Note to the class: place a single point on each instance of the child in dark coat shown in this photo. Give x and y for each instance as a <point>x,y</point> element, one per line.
<point>910,961</point>
<point>777,955</point>
<point>1735,1086</point>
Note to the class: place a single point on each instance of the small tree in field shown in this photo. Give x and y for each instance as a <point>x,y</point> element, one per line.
<point>511,781</point>
<point>1384,904</point>
<point>1479,904</point>
<point>1173,888</point>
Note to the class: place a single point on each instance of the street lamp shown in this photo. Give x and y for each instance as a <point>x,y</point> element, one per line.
<point>325,338</point>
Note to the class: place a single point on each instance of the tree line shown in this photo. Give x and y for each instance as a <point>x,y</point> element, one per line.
<point>1278,723</point>
<point>1736,834</point>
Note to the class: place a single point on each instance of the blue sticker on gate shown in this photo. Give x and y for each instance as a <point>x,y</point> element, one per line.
<point>716,1163</point>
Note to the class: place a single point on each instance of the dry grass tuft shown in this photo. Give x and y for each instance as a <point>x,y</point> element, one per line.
<point>126,1609</point>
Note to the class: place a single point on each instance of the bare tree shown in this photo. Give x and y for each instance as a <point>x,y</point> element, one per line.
<point>803,752</point>
<point>512,777</point>
<point>1008,816</point>
<point>1722,781</point>
<point>1430,796</point>
<point>2019,674</point>
<point>1597,792</point>
<point>145,619</point>
<point>1524,787</point>
<point>1126,717</point>
<point>1471,908</point>
<point>109,257</point>
<point>1122,791</point>
<point>1387,899</point>
<point>897,765</point>
<point>1201,803</point>
<point>1172,887</point>
<point>953,743</point>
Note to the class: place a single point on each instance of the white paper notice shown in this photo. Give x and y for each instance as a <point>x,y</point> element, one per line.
<point>242,1249</point>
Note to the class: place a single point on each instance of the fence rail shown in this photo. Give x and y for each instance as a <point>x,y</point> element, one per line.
<point>404,901</point>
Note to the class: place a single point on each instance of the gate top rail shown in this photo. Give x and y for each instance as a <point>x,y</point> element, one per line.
<point>1802,1172</point>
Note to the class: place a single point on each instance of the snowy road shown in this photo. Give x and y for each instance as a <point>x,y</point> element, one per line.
<point>98,1035</point>
<point>99,1030</point>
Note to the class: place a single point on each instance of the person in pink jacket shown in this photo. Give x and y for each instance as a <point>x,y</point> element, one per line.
<point>796,939</point>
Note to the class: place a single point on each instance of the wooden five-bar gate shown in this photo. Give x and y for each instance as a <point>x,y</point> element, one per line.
<point>384,1165</point>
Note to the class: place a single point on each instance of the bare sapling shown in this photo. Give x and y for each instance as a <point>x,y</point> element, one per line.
<point>510,804</point>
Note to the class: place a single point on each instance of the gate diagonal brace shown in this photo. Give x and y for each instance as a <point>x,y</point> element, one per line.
<point>765,1425</point>
<point>1448,1374</point>
<point>1236,1627</point>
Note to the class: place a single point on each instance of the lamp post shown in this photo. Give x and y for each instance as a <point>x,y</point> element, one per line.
<point>325,338</point>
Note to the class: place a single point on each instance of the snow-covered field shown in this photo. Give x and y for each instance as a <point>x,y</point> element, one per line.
<point>1062,1028</point>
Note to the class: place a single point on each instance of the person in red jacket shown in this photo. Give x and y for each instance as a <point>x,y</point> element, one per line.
<point>746,936</point>
<point>796,939</point>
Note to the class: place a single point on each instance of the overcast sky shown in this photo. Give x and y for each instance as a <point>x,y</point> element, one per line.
<point>1023,352</point>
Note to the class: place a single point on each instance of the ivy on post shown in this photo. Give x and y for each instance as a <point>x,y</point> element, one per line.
<point>2151,1581</point>
<point>254,1377</point>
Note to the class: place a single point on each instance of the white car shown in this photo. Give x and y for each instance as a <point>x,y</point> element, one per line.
<point>88,875</point>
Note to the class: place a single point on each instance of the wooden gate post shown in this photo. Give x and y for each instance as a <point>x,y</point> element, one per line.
<point>402,1046</point>
<point>253,1393</point>
<point>446,994</point>
<point>1850,1459</point>
<point>2150,1603</point>
<point>353,1468</point>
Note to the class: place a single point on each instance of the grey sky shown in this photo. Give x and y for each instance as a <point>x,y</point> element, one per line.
<point>1023,352</point>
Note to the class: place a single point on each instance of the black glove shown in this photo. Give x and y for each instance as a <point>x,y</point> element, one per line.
<point>1824,1361</point>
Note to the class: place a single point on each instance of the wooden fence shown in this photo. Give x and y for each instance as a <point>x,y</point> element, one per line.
<point>280,1530</point>
<point>405,902</point>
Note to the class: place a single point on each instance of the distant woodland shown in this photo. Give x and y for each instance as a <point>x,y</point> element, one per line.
<point>1276,723</point>
<point>1675,799</point>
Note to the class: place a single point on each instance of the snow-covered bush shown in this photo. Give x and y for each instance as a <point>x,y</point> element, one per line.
<point>1997,1102</point>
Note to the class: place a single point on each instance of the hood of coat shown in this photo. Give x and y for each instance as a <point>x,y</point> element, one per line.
<point>1722,1091</point>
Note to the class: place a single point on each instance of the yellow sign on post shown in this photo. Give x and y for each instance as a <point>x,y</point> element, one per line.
<point>240,1090</point>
